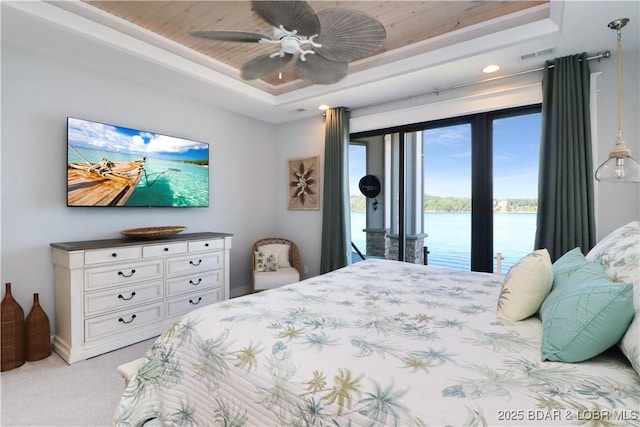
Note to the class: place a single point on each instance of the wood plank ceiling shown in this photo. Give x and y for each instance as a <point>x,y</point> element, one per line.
<point>406,22</point>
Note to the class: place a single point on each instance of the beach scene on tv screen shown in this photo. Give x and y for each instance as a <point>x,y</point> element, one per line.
<point>109,165</point>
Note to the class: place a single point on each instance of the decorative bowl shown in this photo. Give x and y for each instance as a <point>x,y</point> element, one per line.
<point>153,232</point>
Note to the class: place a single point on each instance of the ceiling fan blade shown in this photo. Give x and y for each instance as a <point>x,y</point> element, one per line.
<point>263,66</point>
<point>230,36</point>
<point>346,34</point>
<point>292,15</point>
<point>319,70</point>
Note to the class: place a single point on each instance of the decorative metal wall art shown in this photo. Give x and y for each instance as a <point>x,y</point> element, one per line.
<point>303,183</point>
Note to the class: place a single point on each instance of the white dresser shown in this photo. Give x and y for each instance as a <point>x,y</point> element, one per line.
<point>116,292</point>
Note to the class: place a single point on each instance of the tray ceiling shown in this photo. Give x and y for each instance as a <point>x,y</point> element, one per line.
<point>407,23</point>
<point>432,47</point>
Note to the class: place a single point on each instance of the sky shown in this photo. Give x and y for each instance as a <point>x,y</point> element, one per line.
<point>105,137</point>
<point>447,159</point>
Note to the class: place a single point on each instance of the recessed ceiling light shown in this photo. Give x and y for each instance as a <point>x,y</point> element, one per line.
<point>323,107</point>
<point>491,68</point>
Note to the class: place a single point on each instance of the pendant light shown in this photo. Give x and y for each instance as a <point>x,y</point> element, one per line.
<point>620,166</point>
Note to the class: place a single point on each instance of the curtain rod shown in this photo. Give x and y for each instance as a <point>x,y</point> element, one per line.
<point>598,56</point>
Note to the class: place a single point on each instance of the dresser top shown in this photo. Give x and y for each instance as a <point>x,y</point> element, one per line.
<point>128,241</point>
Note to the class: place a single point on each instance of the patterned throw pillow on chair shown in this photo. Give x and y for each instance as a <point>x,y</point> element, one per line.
<point>266,262</point>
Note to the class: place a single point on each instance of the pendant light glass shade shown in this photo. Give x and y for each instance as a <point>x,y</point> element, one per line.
<point>620,166</point>
<point>619,169</point>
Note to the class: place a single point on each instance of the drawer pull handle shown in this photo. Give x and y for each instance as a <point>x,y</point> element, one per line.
<point>115,254</point>
<point>195,264</point>
<point>196,283</point>
<point>195,303</point>
<point>120,273</point>
<point>133,316</point>
<point>166,249</point>
<point>133,294</point>
<point>206,245</point>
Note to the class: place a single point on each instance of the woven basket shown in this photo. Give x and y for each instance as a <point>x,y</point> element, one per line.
<point>12,351</point>
<point>37,333</point>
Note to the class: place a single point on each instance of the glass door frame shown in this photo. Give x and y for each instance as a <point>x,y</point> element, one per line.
<point>481,176</point>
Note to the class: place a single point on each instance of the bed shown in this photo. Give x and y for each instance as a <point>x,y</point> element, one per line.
<point>376,343</point>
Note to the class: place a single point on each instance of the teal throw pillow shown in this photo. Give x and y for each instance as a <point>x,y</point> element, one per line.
<point>583,317</point>
<point>587,272</point>
<point>567,264</point>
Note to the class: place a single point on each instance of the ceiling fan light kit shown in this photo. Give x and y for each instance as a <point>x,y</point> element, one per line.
<point>290,42</point>
<point>324,43</point>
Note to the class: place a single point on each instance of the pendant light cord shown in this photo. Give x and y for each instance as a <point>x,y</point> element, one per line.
<point>619,48</point>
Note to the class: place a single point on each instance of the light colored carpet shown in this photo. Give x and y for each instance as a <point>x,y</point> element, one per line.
<point>51,393</point>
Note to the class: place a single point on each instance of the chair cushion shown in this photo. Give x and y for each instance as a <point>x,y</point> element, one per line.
<point>272,279</point>
<point>280,250</point>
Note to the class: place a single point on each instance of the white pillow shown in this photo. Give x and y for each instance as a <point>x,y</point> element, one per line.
<point>630,342</point>
<point>280,250</point>
<point>526,286</point>
<point>619,253</point>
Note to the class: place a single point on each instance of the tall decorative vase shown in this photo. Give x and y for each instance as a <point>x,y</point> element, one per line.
<point>37,333</point>
<point>12,332</point>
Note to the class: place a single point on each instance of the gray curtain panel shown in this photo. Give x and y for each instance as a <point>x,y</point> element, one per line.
<point>336,224</point>
<point>565,185</point>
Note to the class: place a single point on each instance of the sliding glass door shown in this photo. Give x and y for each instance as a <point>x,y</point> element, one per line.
<point>447,195</point>
<point>358,202</point>
<point>459,190</point>
<point>516,153</point>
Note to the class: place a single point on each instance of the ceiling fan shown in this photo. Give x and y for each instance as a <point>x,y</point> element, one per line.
<point>324,42</point>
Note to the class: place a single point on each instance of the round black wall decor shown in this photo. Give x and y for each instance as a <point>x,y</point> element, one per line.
<point>369,186</point>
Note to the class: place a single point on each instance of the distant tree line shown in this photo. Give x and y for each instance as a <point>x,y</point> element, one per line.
<point>358,203</point>
<point>458,204</point>
<point>198,162</point>
<point>446,204</point>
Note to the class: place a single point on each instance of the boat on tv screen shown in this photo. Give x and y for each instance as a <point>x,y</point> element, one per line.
<point>110,165</point>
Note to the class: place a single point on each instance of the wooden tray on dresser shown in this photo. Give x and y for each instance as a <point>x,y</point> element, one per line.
<point>153,232</point>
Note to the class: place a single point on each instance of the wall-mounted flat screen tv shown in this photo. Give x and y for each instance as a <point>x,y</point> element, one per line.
<point>111,165</point>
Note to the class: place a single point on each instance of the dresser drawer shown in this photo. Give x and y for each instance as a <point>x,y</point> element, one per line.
<point>195,263</point>
<point>122,298</point>
<point>164,249</point>
<point>182,305</point>
<point>122,323</point>
<point>100,256</point>
<point>205,245</point>
<point>102,277</point>
<point>193,282</point>
<point>113,292</point>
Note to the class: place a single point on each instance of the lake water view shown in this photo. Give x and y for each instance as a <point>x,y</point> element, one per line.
<point>165,182</point>
<point>449,237</point>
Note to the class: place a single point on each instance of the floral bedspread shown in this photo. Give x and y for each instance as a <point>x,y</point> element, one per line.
<point>376,343</point>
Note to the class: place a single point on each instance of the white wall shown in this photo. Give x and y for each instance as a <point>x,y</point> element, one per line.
<point>39,92</point>
<point>617,204</point>
<point>304,138</point>
<point>248,166</point>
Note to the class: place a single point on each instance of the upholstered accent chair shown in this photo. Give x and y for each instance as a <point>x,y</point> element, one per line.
<point>275,262</point>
